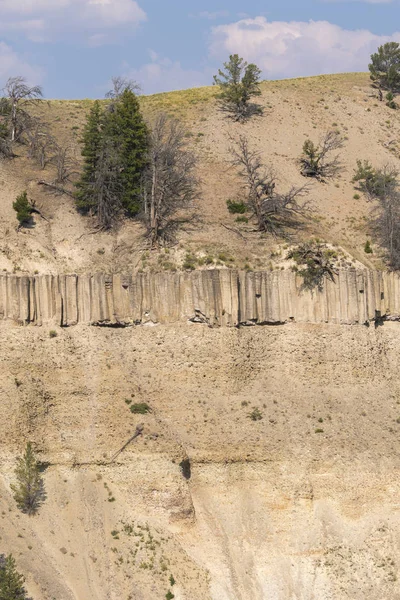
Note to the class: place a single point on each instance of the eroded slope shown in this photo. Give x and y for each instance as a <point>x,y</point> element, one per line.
<point>302,503</point>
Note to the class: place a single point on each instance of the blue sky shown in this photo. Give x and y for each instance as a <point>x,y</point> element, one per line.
<point>74,47</point>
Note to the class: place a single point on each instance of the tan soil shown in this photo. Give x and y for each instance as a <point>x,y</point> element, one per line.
<point>275,509</point>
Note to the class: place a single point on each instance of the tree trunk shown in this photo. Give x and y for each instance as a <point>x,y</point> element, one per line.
<point>153,208</point>
<point>13,121</point>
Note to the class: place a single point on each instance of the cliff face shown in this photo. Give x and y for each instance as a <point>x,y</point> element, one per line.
<point>302,504</point>
<point>218,298</point>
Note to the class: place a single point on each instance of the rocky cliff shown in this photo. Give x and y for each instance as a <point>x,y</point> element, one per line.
<point>217,297</point>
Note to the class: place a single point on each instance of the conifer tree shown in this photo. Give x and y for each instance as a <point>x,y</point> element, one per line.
<point>11,582</point>
<point>92,140</point>
<point>23,208</point>
<point>115,153</point>
<point>239,82</point>
<point>385,68</point>
<point>126,131</point>
<point>29,489</point>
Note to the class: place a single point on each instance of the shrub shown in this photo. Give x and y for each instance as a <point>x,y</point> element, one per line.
<point>189,262</point>
<point>318,161</point>
<point>382,187</point>
<point>390,101</point>
<point>317,263</point>
<point>367,247</point>
<point>242,220</point>
<point>53,334</point>
<point>256,415</point>
<point>23,209</point>
<point>318,430</point>
<point>169,595</point>
<point>142,408</point>
<point>376,183</point>
<point>236,208</point>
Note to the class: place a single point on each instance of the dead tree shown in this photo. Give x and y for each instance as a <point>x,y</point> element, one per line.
<point>138,431</point>
<point>382,188</point>
<point>274,212</point>
<point>39,142</point>
<point>170,182</point>
<point>318,161</point>
<point>17,96</point>
<point>65,164</point>
<point>120,85</point>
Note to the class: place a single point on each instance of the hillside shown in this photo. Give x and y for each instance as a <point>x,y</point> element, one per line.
<point>293,110</point>
<point>266,417</point>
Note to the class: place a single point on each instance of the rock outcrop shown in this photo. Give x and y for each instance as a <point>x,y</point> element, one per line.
<point>218,298</point>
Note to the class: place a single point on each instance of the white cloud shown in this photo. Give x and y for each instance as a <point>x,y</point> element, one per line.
<point>163,75</point>
<point>57,16</point>
<point>11,64</point>
<point>293,49</point>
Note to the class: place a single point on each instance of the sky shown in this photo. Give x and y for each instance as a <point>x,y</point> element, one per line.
<point>74,47</point>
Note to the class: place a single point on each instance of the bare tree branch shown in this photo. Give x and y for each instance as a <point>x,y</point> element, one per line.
<point>17,95</point>
<point>39,142</point>
<point>274,212</point>
<point>66,165</point>
<point>120,85</point>
<point>170,181</point>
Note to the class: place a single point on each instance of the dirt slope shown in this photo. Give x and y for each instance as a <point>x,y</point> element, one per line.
<point>293,111</point>
<point>301,504</point>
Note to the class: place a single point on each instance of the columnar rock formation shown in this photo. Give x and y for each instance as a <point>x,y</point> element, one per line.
<point>217,297</point>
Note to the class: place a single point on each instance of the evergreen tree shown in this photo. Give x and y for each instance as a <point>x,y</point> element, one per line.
<point>92,141</point>
<point>385,68</point>
<point>239,82</point>
<point>29,489</point>
<point>23,208</point>
<point>115,152</point>
<point>126,131</point>
<point>11,582</point>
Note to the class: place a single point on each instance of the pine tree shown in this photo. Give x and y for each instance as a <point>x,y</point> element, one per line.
<point>385,68</point>
<point>11,582</point>
<point>239,82</point>
<point>23,208</point>
<point>92,141</point>
<point>29,489</point>
<point>126,131</point>
<point>115,151</point>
